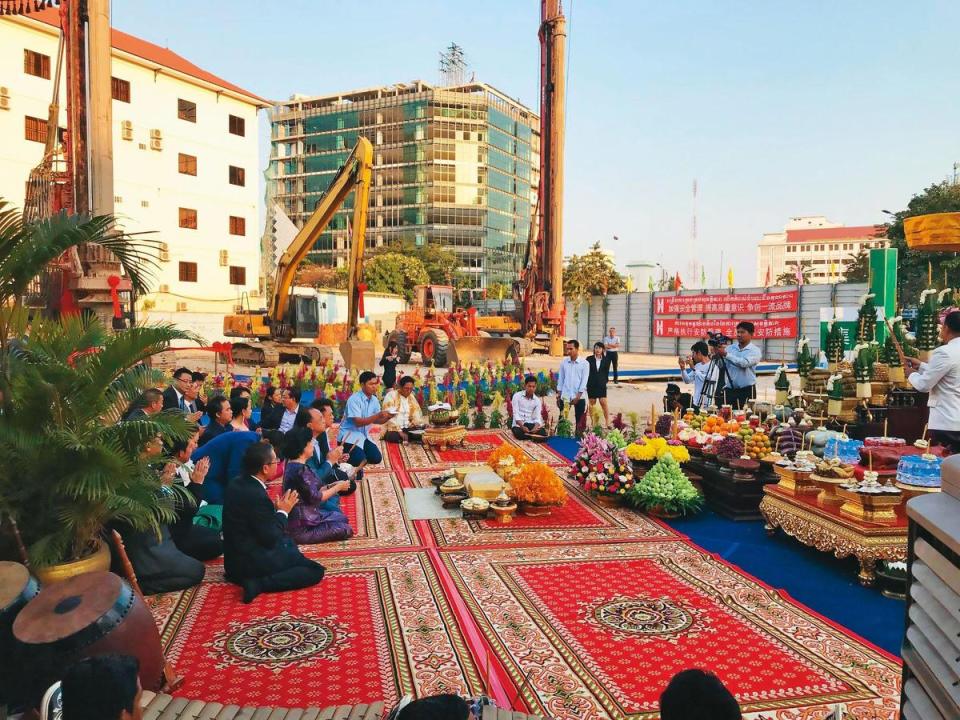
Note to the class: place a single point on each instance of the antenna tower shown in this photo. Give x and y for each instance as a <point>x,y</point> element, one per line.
<point>694,266</point>
<point>453,66</point>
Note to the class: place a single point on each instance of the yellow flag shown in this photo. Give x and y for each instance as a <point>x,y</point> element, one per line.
<point>629,283</point>
<point>730,277</point>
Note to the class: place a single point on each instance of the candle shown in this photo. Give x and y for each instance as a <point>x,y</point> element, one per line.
<point>885,421</point>
<point>929,273</point>
<point>924,436</point>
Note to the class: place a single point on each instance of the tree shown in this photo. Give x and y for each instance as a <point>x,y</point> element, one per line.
<point>591,274</point>
<point>912,265</point>
<point>790,276</point>
<point>69,464</point>
<point>320,276</point>
<point>858,270</point>
<point>395,273</point>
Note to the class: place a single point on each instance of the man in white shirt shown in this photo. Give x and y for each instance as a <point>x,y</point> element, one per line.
<point>742,358</point>
<point>940,377</point>
<point>527,409</point>
<point>572,381</point>
<point>611,344</point>
<point>695,369</point>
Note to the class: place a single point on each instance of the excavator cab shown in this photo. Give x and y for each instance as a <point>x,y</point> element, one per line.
<point>304,317</point>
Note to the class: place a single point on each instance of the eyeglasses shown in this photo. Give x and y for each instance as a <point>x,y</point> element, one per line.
<point>275,462</point>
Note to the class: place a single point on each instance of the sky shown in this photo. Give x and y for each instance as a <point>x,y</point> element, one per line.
<point>777,109</point>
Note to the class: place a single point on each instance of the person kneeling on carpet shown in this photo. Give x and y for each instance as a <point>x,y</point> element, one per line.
<point>310,521</point>
<point>407,415</point>
<point>698,695</point>
<point>257,552</point>
<point>527,409</point>
<point>362,412</point>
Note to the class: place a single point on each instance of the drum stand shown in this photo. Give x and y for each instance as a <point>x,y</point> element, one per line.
<point>171,681</point>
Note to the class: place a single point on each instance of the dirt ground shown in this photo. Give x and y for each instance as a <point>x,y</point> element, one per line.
<point>627,396</point>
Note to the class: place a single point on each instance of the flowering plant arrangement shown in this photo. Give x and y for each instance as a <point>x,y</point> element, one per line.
<point>602,468</point>
<point>538,483</point>
<point>648,449</point>
<point>506,451</point>
<point>665,489</point>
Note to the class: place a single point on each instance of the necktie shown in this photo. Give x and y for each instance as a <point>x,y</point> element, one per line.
<point>183,403</point>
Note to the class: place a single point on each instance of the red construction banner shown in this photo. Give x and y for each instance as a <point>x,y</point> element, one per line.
<point>770,328</point>
<point>752,304</point>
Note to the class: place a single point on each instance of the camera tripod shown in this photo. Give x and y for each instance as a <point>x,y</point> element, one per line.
<point>716,374</point>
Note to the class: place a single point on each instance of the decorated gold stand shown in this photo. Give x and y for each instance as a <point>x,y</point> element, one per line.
<point>829,530</point>
<point>444,436</point>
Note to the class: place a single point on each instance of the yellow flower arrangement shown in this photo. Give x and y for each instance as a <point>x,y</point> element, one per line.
<point>649,449</point>
<point>538,483</point>
<point>504,451</point>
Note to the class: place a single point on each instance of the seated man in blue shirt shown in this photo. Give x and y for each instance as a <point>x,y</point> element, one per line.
<point>741,361</point>
<point>363,411</point>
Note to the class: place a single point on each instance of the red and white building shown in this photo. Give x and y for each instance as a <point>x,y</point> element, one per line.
<point>825,247</point>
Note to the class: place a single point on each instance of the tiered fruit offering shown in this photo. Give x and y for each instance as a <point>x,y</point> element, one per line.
<point>714,424</point>
<point>758,445</point>
<point>744,432</point>
<point>665,487</point>
<point>664,423</point>
<point>694,420</point>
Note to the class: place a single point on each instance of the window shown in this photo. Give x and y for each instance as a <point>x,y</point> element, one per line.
<point>186,110</point>
<point>238,275</point>
<point>188,218</point>
<point>188,271</point>
<point>238,176</point>
<point>120,89</point>
<point>238,225</point>
<point>37,64</point>
<point>187,164</point>
<point>238,126</point>
<point>35,129</point>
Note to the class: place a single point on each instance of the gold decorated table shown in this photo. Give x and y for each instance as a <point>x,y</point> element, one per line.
<point>825,528</point>
<point>444,436</point>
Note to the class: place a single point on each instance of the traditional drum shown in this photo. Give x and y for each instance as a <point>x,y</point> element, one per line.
<point>17,587</point>
<point>92,614</point>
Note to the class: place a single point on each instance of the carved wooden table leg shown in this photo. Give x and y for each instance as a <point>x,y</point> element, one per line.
<point>867,575</point>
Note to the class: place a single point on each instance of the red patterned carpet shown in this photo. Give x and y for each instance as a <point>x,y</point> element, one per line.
<point>598,631</point>
<point>377,627</point>
<point>476,448</point>
<point>581,615</point>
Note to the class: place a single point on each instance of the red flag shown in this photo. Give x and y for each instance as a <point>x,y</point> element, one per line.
<point>767,283</point>
<point>676,283</point>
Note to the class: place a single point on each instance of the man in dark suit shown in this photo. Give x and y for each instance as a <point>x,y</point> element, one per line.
<point>220,414</point>
<point>292,413</point>
<point>174,395</point>
<point>149,402</point>
<point>257,552</point>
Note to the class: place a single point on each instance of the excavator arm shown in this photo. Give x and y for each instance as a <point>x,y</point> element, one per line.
<point>355,174</point>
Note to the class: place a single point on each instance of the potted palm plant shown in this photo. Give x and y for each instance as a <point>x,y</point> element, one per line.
<point>69,465</point>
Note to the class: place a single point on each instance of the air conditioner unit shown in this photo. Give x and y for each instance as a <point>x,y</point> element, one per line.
<point>156,144</point>
<point>181,307</point>
<point>143,146</point>
<point>164,253</point>
<point>155,133</point>
<point>126,130</point>
<point>224,258</point>
<point>4,98</point>
<point>164,288</point>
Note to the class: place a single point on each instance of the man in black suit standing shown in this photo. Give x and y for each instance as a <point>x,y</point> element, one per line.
<point>257,552</point>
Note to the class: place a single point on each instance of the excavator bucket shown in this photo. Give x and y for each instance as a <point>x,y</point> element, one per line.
<point>358,354</point>
<point>479,349</point>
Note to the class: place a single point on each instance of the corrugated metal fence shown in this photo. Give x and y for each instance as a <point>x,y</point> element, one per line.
<point>632,315</point>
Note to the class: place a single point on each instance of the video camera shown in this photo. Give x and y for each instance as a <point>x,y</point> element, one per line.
<point>717,339</point>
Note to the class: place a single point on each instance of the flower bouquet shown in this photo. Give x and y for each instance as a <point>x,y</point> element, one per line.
<point>537,489</point>
<point>602,469</point>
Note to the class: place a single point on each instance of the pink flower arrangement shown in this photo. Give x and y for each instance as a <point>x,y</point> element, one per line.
<point>602,468</point>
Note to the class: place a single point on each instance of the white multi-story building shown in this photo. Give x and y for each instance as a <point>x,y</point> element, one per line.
<point>186,163</point>
<point>823,248</point>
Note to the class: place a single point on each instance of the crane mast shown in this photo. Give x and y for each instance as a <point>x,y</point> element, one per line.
<point>541,285</point>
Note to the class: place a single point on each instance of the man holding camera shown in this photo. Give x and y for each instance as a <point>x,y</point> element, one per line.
<point>741,359</point>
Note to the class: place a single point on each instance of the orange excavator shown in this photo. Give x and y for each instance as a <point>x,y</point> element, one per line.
<point>444,333</point>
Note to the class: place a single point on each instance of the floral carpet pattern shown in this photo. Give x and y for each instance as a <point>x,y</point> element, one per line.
<point>377,627</point>
<point>643,612</point>
<point>581,615</point>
